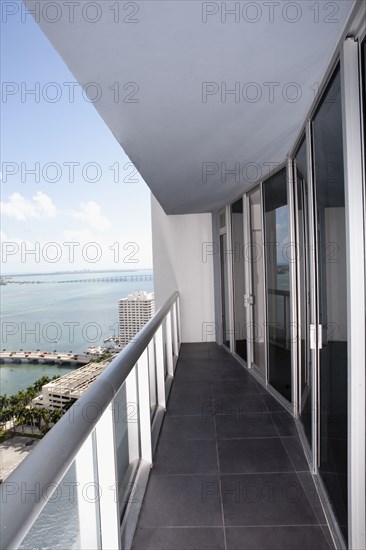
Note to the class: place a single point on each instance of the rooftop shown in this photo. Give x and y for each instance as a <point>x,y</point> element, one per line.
<point>138,295</point>
<point>75,383</point>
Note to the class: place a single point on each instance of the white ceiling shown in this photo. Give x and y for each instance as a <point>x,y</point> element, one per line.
<point>169,53</point>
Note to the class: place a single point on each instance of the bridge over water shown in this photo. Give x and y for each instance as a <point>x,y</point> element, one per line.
<point>44,357</point>
<point>113,279</point>
<point>116,279</point>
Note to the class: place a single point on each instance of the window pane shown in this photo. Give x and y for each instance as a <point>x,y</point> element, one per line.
<point>257,276</point>
<point>332,291</point>
<point>277,238</point>
<point>224,291</point>
<point>303,290</point>
<point>237,247</point>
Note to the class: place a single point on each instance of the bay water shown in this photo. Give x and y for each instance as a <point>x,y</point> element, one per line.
<point>49,315</point>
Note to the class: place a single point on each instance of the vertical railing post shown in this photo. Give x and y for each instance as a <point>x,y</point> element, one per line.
<point>152,374</point>
<point>169,346</point>
<point>144,407</point>
<point>179,332</point>
<point>160,374</point>
<point>107,481</point>
<point>175,329</point>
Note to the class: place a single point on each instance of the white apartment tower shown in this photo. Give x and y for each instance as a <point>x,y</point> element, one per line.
<point>134,313</point>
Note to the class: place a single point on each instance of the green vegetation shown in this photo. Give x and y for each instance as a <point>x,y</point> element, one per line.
<point>105,355</point>
<point>19,411</point>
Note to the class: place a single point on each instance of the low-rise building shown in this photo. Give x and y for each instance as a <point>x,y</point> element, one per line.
<point>58,393</point>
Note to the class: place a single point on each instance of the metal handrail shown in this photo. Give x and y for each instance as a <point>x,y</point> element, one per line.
<point>51,458</point>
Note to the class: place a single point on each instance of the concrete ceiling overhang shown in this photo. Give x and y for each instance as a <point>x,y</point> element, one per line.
<point>196,144</point>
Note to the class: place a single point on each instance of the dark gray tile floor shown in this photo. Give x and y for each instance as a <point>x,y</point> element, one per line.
<point>229,471</point>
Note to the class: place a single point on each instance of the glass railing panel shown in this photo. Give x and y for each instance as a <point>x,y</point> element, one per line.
<point>127,437</point>
<point>57,527</point>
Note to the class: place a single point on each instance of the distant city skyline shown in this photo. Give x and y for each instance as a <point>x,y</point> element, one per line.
<point>70,197</point>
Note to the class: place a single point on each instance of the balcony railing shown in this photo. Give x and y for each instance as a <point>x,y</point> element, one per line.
<point>82,486</point>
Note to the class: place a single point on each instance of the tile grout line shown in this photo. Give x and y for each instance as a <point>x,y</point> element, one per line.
<point>303,487</point>
<point>224,474</point>
<point>328,536</point>
<point>218,467</point>
<point>264,403</point>
<point>248,526</point>
<point>296,472</point>
<point>227,438</point>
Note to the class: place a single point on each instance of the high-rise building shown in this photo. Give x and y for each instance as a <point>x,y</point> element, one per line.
<point>134,313</point>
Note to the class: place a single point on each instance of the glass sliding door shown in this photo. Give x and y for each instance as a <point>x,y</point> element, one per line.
<point>332,296</point>
<point>303,289</point>
<point>237,248</point>
<point>363,65</point>
<point>225,316</point>
<point>255,298</point>
<point>277,255</point>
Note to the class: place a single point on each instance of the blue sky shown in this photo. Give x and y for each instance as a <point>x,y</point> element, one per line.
<point>113,214</point>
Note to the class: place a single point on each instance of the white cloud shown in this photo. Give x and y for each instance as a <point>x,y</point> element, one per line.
<point>45,205</point>
<point>3,237</point>
<point>76,235</point>
<point>21,208</point>
<point>90,213</point>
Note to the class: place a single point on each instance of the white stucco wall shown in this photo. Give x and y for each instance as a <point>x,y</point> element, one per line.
<point>181,262</point>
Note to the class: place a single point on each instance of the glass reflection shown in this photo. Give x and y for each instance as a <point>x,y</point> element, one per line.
<point>237,247</point>
<point>257,280</point>
<point>332,292</point>
<point>277,256</point>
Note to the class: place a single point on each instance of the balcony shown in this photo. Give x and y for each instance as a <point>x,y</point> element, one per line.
<point>229,471</point>
<point>221,469</point>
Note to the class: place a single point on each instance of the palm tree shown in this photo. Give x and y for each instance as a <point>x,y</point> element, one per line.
<point>5,416</point>
<point>21,417</point>
<point>40,382</point>
<point>29,416</point>
<point>31,393</point>
<point>56,414</point>
<point>46,420</point>
<point>14,401</point>
<point>22,397</point>
<point>38,414</point>
<point>4,401</point>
